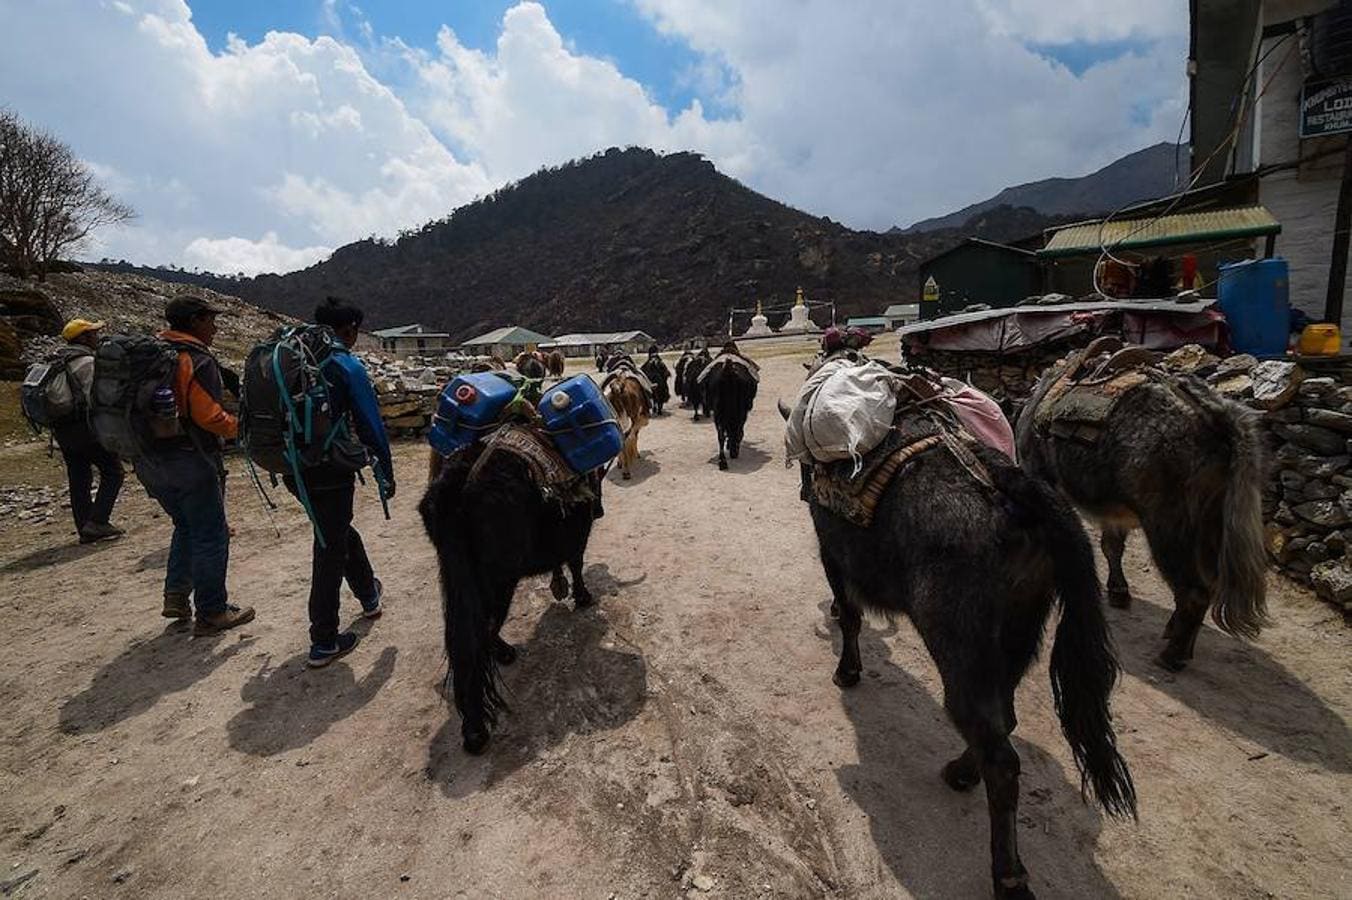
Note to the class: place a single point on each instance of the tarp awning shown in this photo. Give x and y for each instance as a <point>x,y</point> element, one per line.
<point>1155,324</point>
<point>1179,228</point>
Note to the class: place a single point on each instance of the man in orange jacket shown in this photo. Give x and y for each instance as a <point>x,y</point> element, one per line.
<point>185,476</point>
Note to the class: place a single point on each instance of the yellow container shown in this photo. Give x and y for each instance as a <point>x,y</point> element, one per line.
<point>1320,340</point>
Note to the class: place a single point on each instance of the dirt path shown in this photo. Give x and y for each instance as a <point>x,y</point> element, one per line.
<point>683,736</point>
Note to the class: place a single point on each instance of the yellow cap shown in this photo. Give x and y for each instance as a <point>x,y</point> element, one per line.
<point>76,327</point>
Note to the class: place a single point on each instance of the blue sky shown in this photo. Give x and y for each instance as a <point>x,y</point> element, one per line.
<point>610,29</point>
<point>331,120</point>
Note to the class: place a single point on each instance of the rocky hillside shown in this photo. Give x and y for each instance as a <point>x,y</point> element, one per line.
<point>627,239</point>
<point>32,313</point>
<point>1142,175</point>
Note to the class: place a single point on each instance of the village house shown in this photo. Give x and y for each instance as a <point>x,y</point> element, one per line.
<point>899,314</point>
<point>1280,71</point>
<point>589,344</point>
<point>505,343</point>
<point>413,340</point>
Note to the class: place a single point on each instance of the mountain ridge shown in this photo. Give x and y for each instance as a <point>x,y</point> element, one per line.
<point>624,239</point>
<point>1143,175</point>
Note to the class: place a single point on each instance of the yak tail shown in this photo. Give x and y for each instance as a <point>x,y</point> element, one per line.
<point>473,673</point>
<point>1239,605</point>
<point>1083,665</point>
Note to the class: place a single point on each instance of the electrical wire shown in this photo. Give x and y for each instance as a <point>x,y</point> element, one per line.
<point>1239,109</point>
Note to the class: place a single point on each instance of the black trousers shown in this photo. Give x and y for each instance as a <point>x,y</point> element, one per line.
<point>342,554</point>
<point>83,454</point>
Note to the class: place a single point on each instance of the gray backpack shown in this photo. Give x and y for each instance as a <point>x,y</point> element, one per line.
<point>49,396</point>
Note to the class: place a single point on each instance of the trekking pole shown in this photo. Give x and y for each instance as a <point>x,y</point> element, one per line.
<point>380,488</point>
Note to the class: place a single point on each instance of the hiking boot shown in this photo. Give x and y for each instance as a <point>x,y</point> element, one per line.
<point>176,605</point>
<point>323,654</point>
<point>372,609</point>
<point>99,531</point>
<point>216,622</point>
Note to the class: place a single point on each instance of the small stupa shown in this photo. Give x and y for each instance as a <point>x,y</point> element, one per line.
<point>760,325</point>
<point>799,323</point>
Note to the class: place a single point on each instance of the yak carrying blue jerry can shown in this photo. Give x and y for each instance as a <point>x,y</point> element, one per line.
<point>581,423</point>
<point>468,407</point>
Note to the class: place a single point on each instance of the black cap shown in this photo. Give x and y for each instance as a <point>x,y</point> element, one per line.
<point>184,309</point>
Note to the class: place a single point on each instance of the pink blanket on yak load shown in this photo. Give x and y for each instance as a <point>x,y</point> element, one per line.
<point>980,415</point>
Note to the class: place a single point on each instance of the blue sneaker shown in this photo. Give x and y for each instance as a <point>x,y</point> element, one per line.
<point>323,654</point>
<point>371,609</point>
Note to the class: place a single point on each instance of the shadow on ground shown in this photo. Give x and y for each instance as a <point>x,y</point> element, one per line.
<point>936,841</point>
<point>51,556</point>
<point>565,681</point>
<point>290,705</point>
<point>143,673</point>
<point>750,459</point>
<point>644,467</point>
<point>1237,685</point>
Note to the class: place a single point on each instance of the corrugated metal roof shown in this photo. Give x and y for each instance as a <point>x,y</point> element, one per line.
<point>511,335</point>
<point>604,337</point>
<point>902,309</point>
<point>1180,228</point>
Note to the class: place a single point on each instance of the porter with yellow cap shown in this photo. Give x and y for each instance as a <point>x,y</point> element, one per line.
<point>58,399</point>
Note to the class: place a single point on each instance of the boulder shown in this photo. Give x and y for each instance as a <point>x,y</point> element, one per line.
<point>1324,513</point>
<point>1188,359</point>
<point>1327,418</point>
<point>1323,441</point>
<point>1275,383</point>
<point>1332,580</point>
<point>1233,386</point>
<point>1316,388</point>
<point>1240,364</point>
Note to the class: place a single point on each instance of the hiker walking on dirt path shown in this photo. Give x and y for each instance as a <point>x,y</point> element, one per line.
<point>338,549</point>
<point>184,475</point>
<point>79,448</point>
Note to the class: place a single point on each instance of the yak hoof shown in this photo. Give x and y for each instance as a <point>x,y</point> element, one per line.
<point>1171,663</point>
<point>1119,599</point>
<point>626,475</point>
<point>476,741</point>
<point>582,599</point>
<point>835,609</point>
<point>722,464</point>
<point>959,775</point>
<point>733,453</point>
<point>846,678</point>
<point>504,652</point>
<point>558,586</point>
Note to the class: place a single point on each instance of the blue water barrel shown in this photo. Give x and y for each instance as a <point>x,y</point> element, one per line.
<point>1255,297</point>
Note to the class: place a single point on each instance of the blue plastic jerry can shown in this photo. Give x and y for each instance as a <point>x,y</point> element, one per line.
<point>467,409</point>
<point>582,424</point>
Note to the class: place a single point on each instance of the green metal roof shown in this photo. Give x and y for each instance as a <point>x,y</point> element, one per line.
<point>1180,228</point>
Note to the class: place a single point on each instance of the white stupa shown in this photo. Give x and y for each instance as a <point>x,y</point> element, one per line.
<point>799,323</point>
<point>759,324</point>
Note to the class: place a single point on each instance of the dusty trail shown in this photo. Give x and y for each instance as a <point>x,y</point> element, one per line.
<point>682,736</point>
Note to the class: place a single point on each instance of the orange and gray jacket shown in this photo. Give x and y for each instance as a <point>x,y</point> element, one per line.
<point>198,389</point>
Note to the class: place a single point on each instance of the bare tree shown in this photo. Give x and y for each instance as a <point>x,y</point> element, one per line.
<point>50,201</point>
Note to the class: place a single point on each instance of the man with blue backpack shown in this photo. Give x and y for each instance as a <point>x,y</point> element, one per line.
<point>310,415</point>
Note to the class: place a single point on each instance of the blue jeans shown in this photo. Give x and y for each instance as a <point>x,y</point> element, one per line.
<point>187,484</point>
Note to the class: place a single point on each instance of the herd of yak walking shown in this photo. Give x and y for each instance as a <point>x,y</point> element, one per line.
<point>975,564</point>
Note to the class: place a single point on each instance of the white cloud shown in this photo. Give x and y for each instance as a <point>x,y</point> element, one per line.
<point>899,111</point>
<point>232,255</point>
<point>874,113</point>
<point>210,144</point>
<point>1064,21</point>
